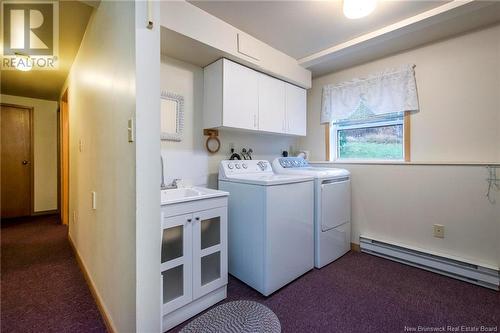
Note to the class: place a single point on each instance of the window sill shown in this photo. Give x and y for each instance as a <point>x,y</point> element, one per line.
<point>445,163</point>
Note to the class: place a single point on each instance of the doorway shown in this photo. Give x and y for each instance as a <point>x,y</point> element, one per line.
<point>64,158</point>
<point>16,160</point>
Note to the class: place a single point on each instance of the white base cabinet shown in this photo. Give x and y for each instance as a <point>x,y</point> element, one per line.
<point>239,97</point>
<point>193,258</point>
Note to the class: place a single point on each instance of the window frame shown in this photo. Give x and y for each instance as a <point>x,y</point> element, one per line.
<point>331,134</point>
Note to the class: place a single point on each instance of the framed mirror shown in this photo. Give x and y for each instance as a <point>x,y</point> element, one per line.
<point>172,116</point>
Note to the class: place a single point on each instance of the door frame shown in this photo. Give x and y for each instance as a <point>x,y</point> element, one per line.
<point>60,170</point>
<point>32,154</point>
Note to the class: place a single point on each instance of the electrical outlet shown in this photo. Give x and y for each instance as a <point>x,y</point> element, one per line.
<point>438,230</point>
<point>80,145</point>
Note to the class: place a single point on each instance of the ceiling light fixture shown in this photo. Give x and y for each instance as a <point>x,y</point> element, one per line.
<point>354,9</point>
<point>23,62</point>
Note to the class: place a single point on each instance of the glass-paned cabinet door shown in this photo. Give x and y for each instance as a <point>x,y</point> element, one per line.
<point>176,262</point>
<point>209,250</point>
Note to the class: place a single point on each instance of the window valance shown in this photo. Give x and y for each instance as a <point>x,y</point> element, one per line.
<point>392,91</point>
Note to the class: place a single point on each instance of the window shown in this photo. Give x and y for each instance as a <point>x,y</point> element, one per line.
<point>368,137</point>
<point>369,118</point>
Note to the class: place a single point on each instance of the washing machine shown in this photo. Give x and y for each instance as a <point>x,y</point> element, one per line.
<point>332,206</point>
<point>270,224</point>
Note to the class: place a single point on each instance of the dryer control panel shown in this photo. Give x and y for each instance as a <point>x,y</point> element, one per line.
<point>293,162</point>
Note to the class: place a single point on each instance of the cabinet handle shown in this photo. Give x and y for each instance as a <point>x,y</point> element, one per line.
<point>189,220</point>
<point>255,121</point>
<point>197,218</point>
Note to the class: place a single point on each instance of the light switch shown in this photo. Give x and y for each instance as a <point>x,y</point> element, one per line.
<point>130,130</point>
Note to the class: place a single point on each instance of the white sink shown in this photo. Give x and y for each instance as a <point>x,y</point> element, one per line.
<point>177,195</point>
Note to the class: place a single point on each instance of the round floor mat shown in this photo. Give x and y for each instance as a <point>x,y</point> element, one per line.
<point>236,317</point>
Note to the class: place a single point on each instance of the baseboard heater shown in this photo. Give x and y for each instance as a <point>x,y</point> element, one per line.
<point>477,274</point>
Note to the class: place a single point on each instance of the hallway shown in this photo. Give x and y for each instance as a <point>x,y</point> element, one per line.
<point>42,287</point>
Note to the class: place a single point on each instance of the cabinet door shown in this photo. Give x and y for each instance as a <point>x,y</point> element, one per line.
<point>209,250</point>
<point>176,262</point>
<point>296,114</point>
<point>271,104</point>
<point>240,96</point>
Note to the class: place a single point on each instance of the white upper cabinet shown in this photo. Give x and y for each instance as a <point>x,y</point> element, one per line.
<point>296,106</point>
<point>239,97</point>
<point>271,104</point>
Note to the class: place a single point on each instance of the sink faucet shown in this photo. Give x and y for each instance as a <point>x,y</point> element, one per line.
<point>174,184</point>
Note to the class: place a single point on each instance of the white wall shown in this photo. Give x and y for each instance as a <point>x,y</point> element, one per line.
<point>148,219</point>
<point>44,150</point>
<point>101,95</point>
<point>188,159</point>
<point>458,83</point>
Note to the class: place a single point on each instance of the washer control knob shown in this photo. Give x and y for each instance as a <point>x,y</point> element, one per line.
<point>237,166</point>
<point>230,166</point>
<point>244,165</point>
<point>262,165</point>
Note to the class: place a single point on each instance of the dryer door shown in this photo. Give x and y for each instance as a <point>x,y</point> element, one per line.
<point>335,203</point>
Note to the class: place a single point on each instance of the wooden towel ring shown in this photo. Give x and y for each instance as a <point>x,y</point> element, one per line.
<point>212,136</point>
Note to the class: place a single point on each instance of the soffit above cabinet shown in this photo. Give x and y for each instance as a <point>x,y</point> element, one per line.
<point>193,35</point>
<point>181,47</point>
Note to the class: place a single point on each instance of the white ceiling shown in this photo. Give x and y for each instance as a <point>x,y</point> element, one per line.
<point>302,28</point>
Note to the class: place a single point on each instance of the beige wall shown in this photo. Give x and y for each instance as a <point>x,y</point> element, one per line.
<point>44,150</point>
<point>458,83</point>
<point>188,159</point>
<point>101,88</point>
<point>400,203</point>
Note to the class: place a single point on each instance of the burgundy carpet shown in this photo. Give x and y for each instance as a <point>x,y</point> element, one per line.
<point>42,287</point>
<point>362,293</point>
<point>43,290</point>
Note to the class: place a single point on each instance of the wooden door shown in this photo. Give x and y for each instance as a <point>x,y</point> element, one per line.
<point>16,161</point>
<point>64,158</point>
